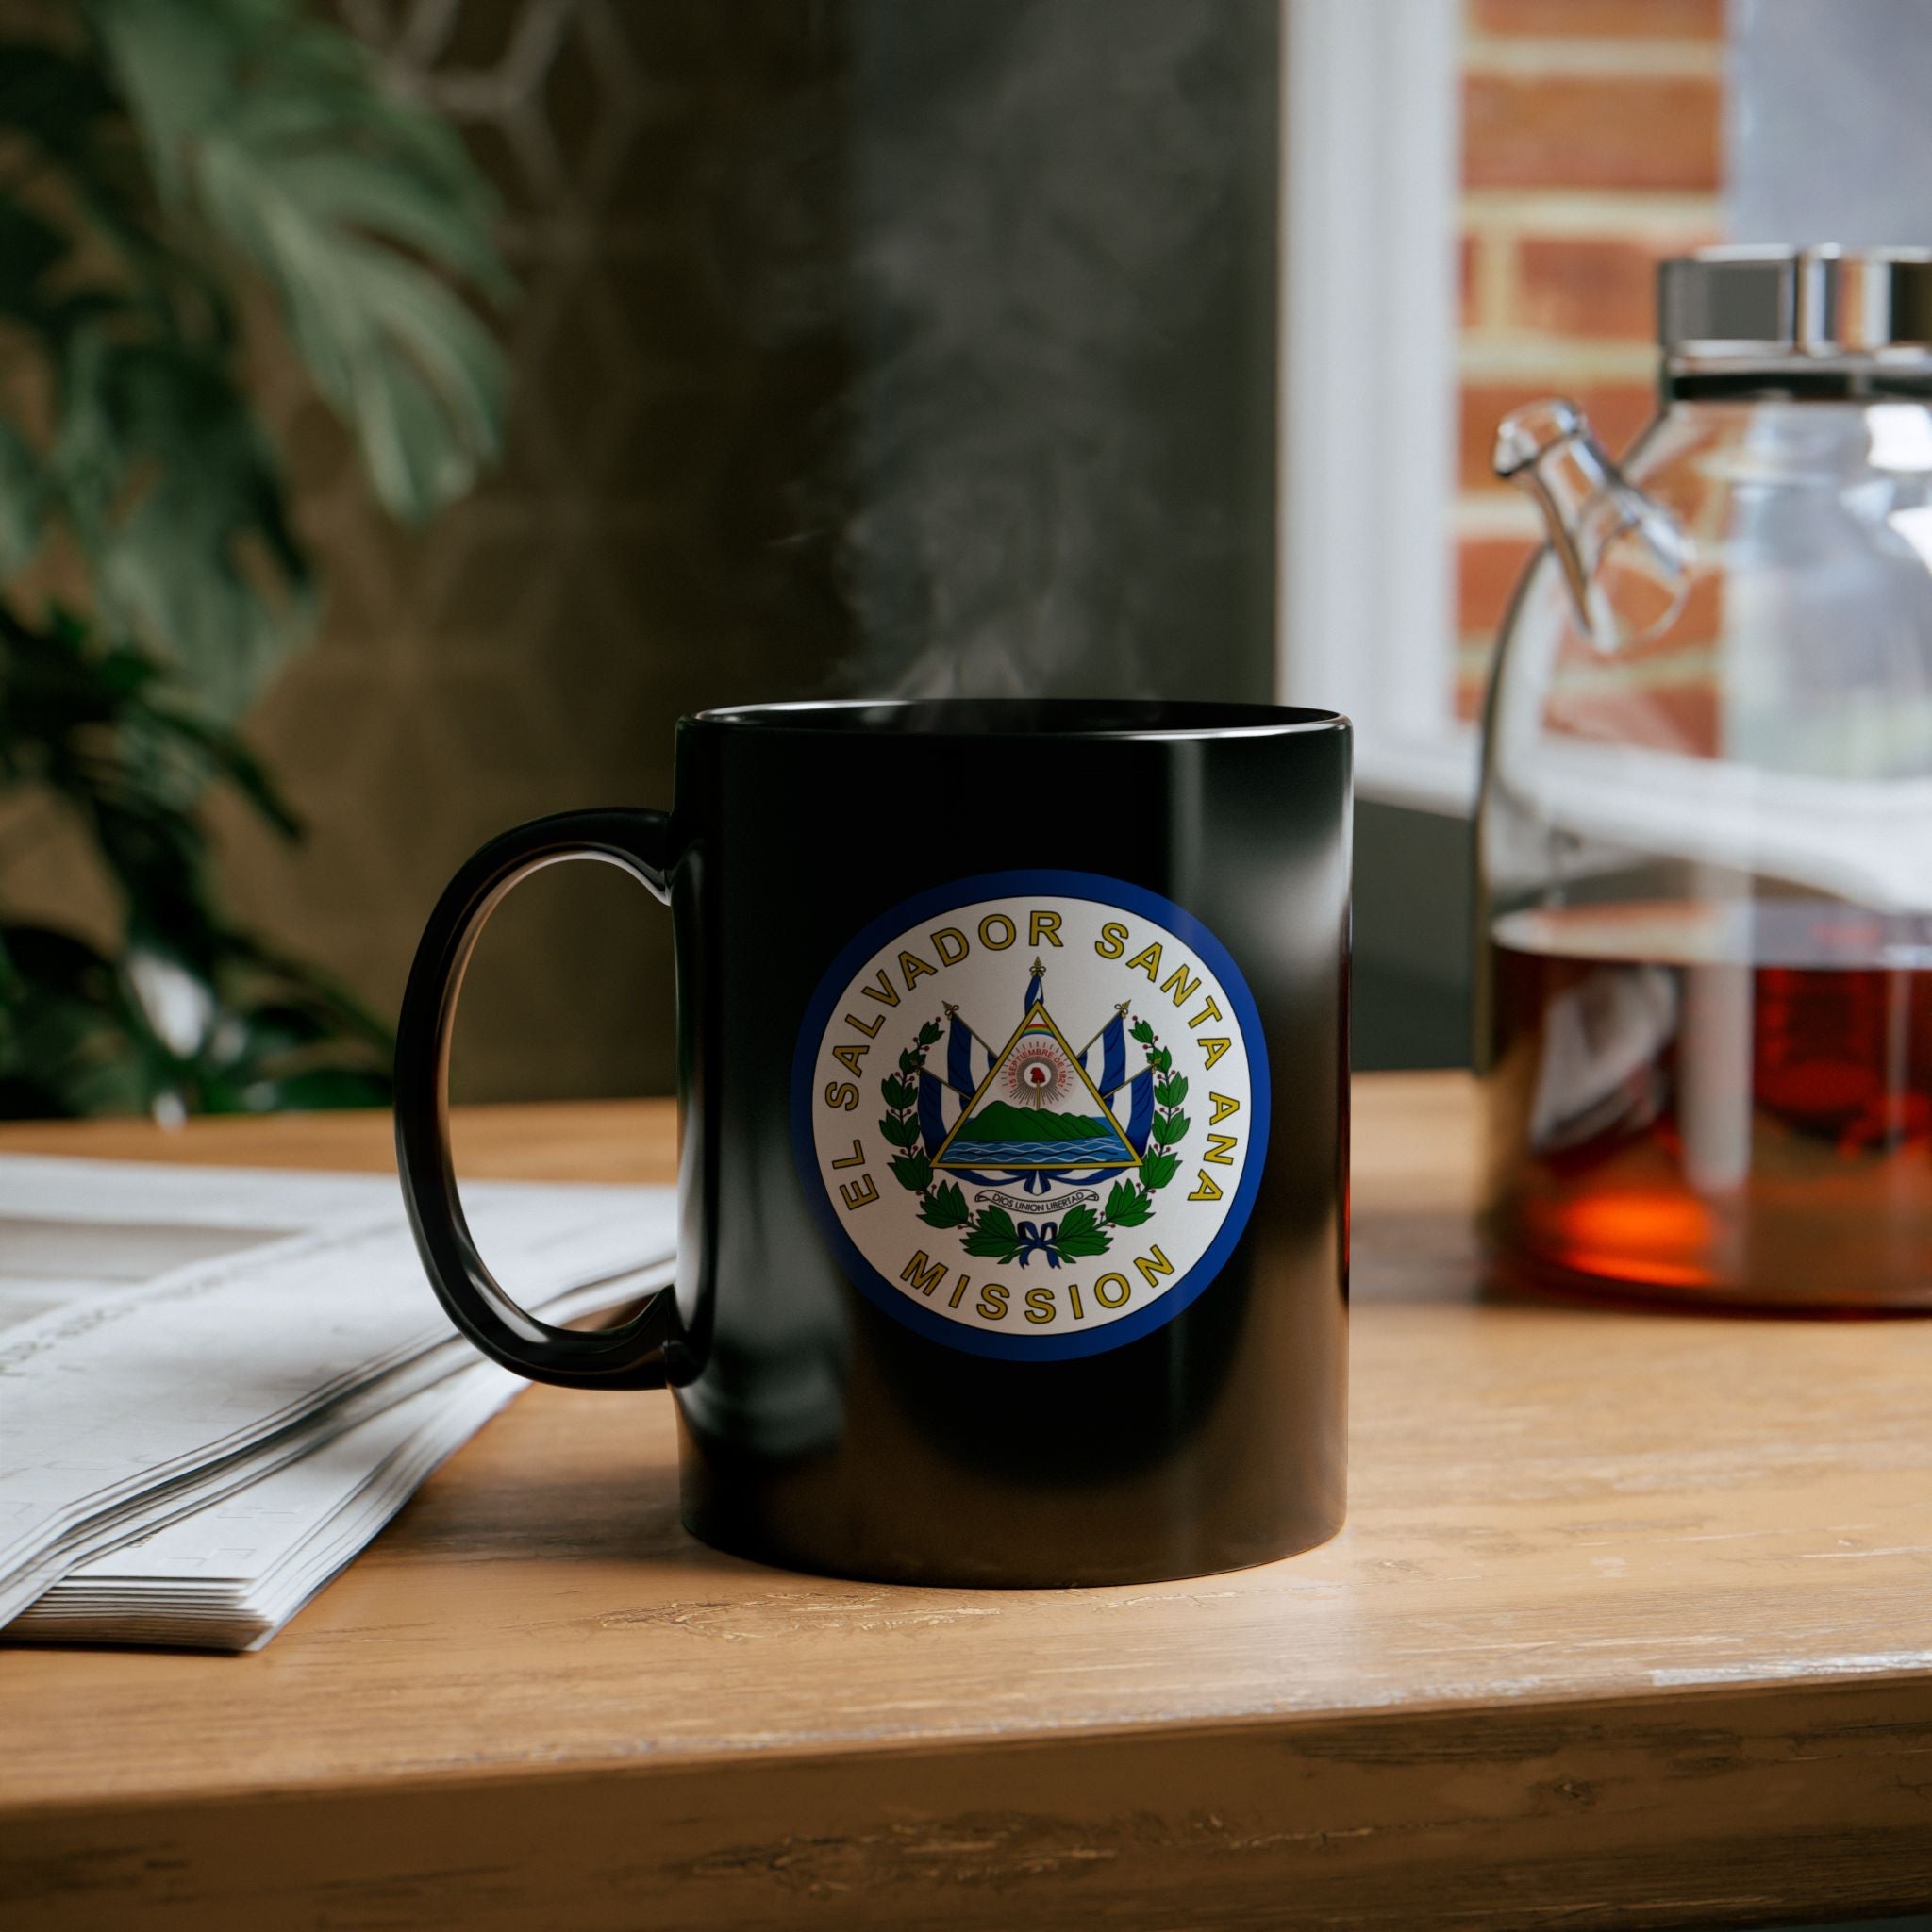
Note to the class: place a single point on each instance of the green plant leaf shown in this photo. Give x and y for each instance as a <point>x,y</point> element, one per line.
<point>994,1236</point>
<point>191,1012</point>
<point>913,1172</point>
<point>287,978</point>
<point>175,497</point>
<point>900,1132</point>
<point>308,1091</point>
<point>23,499</point>
<point>1170,1093</point>
<point>1128,1205</point>
<point>50,95</point>
<point>945,1206</point>
<point>1170,1128</point>
<point>1080,1234</point>
<point>153,147</point>
<point>66,1048</point>
<point>228,757</point>
<point>29,248</point>
<point>1157,1169</point>
<point>898,1094</point>
<point>911,1063</point>
<point>352,202</point>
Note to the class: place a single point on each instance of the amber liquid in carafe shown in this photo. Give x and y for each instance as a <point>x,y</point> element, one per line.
<point>1713,1102</point>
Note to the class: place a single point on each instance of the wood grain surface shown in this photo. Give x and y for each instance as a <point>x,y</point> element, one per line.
<point>1630,1626</point>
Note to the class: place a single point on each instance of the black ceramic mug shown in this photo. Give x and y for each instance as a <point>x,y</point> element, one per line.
<point>1013,1084</point>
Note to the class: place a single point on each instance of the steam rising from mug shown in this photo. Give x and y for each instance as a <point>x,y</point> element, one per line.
<point>1055,451</point>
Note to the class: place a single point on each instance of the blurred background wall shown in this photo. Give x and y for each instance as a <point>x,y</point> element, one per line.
<point>861,346</point>
<point>643,552</point>
<point>1830,137</point>
<point>865,346</point>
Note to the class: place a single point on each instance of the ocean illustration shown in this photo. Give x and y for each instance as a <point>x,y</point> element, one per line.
<point>1011,1136</point>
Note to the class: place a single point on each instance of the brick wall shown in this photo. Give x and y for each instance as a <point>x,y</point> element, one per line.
<point>1591,147</point>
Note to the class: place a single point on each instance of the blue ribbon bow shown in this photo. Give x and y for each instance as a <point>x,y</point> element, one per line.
<point>1038,1240</point>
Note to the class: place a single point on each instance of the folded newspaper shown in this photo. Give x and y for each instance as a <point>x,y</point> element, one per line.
<point>217,1384</point>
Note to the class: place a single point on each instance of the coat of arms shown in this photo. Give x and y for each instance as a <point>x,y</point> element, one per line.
<point>1033,1160</point>
<point>1038,1117</point>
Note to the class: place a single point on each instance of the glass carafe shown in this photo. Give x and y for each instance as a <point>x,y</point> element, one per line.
<point>1705,839</point>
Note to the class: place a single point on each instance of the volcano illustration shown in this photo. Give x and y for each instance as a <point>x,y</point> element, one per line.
<point>1036,1109</point>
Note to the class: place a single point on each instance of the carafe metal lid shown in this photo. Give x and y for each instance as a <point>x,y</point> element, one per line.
<point>1779,305</point>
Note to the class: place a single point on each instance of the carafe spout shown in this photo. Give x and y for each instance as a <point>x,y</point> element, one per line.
<point>1625,559</point>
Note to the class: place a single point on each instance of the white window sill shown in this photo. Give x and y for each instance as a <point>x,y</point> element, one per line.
<point>1434,774</point>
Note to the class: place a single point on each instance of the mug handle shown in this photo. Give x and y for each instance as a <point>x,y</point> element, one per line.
<point>629,1356</point>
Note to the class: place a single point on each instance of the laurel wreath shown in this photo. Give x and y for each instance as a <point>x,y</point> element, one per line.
<point>992,1234</point>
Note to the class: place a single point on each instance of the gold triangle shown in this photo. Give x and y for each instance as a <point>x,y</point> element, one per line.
<point>1006,1053</point>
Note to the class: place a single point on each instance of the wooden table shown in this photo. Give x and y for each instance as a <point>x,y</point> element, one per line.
<point>1631,1625</point>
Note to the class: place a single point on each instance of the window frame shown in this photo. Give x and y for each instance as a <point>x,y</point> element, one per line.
<point>1369,307</point>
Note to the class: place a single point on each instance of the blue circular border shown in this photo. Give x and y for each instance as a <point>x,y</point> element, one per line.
<point>1111,894</point>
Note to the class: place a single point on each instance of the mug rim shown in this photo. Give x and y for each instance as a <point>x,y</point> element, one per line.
<point>1172,719</point>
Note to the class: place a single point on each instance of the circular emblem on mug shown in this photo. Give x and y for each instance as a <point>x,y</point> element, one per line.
<point>1030,1111</point>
